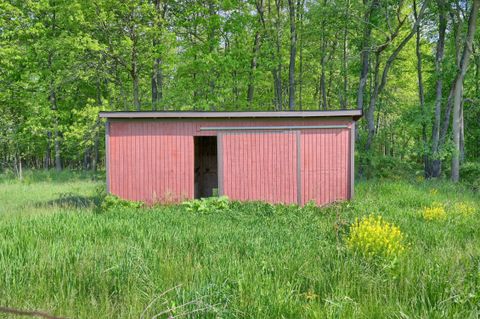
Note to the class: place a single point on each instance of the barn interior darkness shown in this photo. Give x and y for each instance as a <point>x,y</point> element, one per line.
<point>206,166</point>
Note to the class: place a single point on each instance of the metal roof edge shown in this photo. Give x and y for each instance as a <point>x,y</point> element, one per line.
<point>354,114</point>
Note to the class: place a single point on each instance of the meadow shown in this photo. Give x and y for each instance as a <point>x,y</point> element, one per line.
<point>62,253</point>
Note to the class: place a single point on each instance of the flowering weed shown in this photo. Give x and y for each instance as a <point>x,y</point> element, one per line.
<point>435,212</point>
<point>439,211</point>
<point>464,209</point>
<point>373,236</point>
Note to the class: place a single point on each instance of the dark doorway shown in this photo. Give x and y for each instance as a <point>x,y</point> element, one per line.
<point>206,167</point>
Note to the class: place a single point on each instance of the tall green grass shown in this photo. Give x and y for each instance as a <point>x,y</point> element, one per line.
<point>59,254</point>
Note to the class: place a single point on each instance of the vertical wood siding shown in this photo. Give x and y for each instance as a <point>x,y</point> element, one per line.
<point>153,160</point>
<point>150,162</point>
<point>325,165</point>
<point>260,166</point>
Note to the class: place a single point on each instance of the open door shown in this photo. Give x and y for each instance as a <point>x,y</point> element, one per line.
<point>206,166</point>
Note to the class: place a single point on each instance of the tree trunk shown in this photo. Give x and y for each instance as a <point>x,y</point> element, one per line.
<point>330,70</point>
<point>56,137</point>
<point>458,89</point>
<point>293,55</point>
<point>86,159</point>
<point>323,86</point>
<point>134,68</point>
<point>56,134</point>
<point>300,77</point>
<point>211,47</point>
<point>277,86</point>
<point>421,95</point>
<point>447,118</point>
<point>157,83</point>
<point>53,104</point>
<point>344,99</point>
<point>370,116</point>
<point>48,155</point>
<point>462,134</point>
<point>365,54</point>
<point>278,45</point>
<point>96,137</point>
<point>194,79</point>
<point>300,12</point>
<point>123,96</point>
<point>134,74</point>
<point>95,151</point>
<point>18,165</point>
<point>435,165</point>
<point>253,68</point>
<point>157,72</point>
<point>378,88</point>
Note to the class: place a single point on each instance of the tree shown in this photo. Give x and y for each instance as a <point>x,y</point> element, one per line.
<point>434,163</point>
<point>421,94</point>
<point>293,53</point>
<point>458,89</point>
<point>379,83</point>
<point>61,62</point>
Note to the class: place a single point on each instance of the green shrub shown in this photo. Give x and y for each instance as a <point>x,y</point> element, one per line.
<point>470,175</point>
<point>111,202</point>
<point>207,205</point>
<point>385,167</point>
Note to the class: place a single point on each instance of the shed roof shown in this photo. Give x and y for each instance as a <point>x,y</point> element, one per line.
<point>354,114</point>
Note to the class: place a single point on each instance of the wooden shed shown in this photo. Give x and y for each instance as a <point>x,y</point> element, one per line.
<point>278,157</point>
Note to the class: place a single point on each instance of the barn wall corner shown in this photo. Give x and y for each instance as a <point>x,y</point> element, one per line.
<point>107,155</point>
<point>352,160</point>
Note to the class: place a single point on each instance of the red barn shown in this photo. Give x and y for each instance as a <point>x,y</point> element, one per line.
<point>278,157</point>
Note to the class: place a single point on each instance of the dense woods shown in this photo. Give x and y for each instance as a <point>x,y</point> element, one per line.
<point>413,67</point>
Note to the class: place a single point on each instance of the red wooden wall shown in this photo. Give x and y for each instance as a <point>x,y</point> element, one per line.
<point>153,160</point>
<point>325,165</point>
<point>260,166</point>
<point>149,162</point>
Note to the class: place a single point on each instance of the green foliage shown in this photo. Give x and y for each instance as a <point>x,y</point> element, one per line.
<point>377,166</point>
<point>113,203</point>
<point>208,205</point>
<point>62,62</point>
<point>470,173</point>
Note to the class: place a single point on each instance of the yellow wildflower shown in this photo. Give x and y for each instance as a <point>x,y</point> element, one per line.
<point>435,212</point>
<point>464,209</point>
<point>372,236</point>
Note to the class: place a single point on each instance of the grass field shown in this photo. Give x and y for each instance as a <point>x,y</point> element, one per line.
<point>60,254</point>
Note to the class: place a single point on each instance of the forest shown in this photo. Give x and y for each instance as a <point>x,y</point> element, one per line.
<point>413,67</point>
<point>405,246</point>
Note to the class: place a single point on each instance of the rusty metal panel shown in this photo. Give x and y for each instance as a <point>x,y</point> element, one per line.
<point>150,162</point>
<point>260,166</point>
<point>325,165</point>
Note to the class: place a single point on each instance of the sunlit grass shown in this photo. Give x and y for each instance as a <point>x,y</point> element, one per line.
<point>58,254</point>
